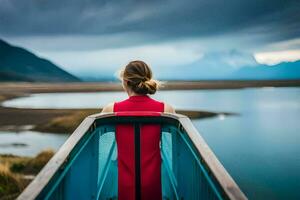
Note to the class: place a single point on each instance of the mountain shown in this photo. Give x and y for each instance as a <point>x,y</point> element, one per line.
<point>284,70</point>
<point>18,64</point>
<point>231,60</point>
<point>231,65</point>
<point>211,66</point>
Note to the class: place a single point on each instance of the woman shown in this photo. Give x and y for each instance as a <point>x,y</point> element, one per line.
<point>137,81</point>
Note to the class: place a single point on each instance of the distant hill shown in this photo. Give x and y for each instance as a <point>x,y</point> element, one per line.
<point>18,64</point>
<point>284,70</point>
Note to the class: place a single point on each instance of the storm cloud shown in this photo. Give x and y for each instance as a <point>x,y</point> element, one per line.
<point>91,35</point>
<point>159,20</point>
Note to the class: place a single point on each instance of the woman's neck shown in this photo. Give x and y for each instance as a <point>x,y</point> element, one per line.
<point>131,93</point>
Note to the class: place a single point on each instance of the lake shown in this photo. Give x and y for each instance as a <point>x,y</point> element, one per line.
<point>260,147</point>
<point>29,143</point>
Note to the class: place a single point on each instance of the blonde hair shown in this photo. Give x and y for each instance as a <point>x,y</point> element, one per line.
<point>139,77</point>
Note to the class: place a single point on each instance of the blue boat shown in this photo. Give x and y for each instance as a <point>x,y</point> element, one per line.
<point>85,167</point>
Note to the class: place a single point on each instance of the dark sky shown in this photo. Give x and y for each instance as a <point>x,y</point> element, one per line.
<point>90,28</point>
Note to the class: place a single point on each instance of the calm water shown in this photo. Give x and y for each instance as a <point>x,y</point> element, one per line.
<point>260,148</point>
<point>29,143</point>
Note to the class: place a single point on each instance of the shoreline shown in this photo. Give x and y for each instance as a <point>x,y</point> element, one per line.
<point>20,88</point>
<point>66,120</point>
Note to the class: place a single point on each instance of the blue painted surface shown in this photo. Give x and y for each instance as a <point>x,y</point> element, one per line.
<point>91,170</point>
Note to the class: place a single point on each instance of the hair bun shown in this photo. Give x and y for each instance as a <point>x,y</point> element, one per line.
<point>151,86</point>
<point>147,87</point>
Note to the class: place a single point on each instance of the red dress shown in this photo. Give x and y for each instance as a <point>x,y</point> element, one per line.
<point>149,147</point>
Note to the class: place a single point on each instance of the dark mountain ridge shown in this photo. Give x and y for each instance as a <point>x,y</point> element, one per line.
<point>19,64</point>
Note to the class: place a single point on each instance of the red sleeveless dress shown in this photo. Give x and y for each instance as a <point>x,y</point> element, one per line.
<point>150,151</point>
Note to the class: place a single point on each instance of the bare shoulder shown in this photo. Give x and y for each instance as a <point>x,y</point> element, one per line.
<point>168,108</point>
<point>108,108</point>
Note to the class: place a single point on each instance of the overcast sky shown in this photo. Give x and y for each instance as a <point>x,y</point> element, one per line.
<point>87,35</point>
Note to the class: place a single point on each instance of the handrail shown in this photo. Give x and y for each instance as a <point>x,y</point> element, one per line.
<point>57,161</point>
<point>228,185</point>
<point>223,178</point>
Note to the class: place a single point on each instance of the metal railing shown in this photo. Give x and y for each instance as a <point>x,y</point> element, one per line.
<point>85,167</point>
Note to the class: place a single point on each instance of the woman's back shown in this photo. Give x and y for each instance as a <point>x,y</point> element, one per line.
<point>138,82</point>
<point>150,158</point>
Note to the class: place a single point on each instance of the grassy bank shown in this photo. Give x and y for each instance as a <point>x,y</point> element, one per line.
<point>16,172</point>
<point>68,123</point>
<point>62,120</point>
